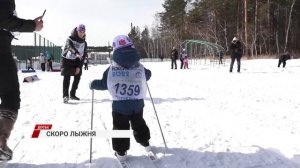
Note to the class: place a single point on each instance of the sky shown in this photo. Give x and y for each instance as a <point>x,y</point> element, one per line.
<point>210,118</point>
<point>104,19</point>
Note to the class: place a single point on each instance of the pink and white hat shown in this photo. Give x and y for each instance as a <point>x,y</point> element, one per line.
<point>122,41</point>
<point>81,27</point>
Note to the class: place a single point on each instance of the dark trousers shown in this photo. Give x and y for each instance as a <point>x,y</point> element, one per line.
<point>86,67</point>
<point>9,83</point>
<point>283,63</point>
<point>29,68</point>
<point>66,84</point>
<point>49,66</point>
<point>173,63</point>
<point>141,131</point>
<point>181,63</point>
<point>220,60</point>
<point>238,60</point>
<point>43,66</point>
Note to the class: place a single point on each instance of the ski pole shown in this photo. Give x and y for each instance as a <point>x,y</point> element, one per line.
<point>92,114</point>
<point>162,134</point>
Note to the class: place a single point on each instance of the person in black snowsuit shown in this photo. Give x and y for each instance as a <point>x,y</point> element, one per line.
<point>174,57</point>
<point>283,58</point>
<point>72,61</point>
<point>9,83</point>
<point>236,54</point>
<point>126,80</point>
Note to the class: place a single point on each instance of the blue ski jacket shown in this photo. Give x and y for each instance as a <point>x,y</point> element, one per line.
<point>125,57</point>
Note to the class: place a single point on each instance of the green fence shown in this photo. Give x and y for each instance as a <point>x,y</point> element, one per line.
<point>41,45</point>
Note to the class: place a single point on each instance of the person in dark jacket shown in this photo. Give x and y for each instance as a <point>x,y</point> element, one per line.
<point>236,54</point>
<point>174,57</point>
<point>126,80</point>
<point>49,57</point>
<point>9,84</point>
<point>283,58</point>
<point>72,61</point>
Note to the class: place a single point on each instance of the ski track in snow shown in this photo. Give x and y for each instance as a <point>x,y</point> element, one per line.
<point>210,118</point>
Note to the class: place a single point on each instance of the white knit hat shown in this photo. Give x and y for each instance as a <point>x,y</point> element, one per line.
<point>122,41</point>
<point>235,39</point>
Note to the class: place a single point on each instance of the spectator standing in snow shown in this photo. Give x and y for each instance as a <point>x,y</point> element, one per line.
<point>9,83</point>
<point>174,57</point>
<point>126,80</point>
<point>221,56</point>
<point>161,58</point>
<point>236,53</point>
<point>29,64</point>
<point>283,58</point>
<point>182,54</point>
<point>42,61</point>
<point>49,61</point>
<point>72,61</point>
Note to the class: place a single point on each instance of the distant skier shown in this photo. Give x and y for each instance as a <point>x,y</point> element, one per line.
<point>283,58</point>
<point>126,80</point>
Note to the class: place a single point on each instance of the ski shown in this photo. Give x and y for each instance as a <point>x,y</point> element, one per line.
<point>143,161</point>
<point>150,153</point>
<point>152,156</point>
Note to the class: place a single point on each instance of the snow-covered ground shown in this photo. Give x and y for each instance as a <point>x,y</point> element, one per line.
<point>210,118</point>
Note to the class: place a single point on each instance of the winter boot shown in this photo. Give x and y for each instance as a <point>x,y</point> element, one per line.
<point>72,95</point>
<point>7,121</point>
<point>66,99</point>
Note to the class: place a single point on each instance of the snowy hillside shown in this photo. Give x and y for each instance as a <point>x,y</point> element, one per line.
<point>210,118</point>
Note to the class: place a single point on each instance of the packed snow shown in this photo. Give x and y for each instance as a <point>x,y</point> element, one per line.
<point>210,118</point>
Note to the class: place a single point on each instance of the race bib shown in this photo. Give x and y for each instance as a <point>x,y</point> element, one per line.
<point>126,84</point>
<point>80,48</point>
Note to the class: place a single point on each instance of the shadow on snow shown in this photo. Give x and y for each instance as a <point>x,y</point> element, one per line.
<point>184,158</point>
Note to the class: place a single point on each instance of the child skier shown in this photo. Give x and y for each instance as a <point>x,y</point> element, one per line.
<point>126,80</point>
<point>186,62</point>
